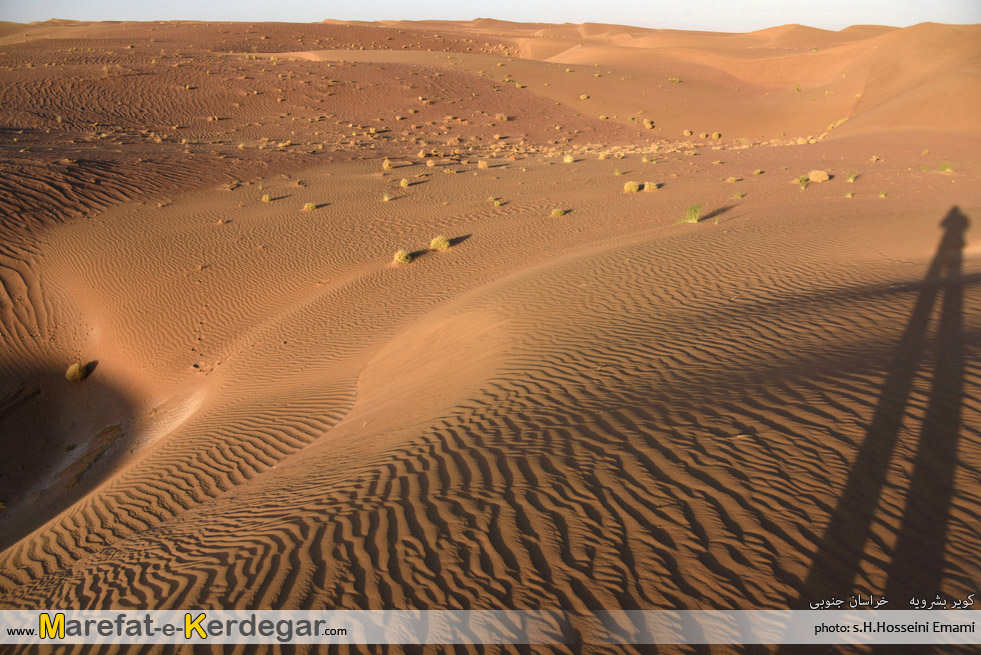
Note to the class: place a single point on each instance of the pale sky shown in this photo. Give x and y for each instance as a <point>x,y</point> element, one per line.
<point>719,15</point>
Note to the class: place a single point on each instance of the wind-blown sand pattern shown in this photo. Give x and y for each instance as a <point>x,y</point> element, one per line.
<point>603,409</point>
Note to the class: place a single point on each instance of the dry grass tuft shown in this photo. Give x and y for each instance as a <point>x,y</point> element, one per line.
<point>439,243</point>
<point>402,257</point>
<point>76,372</point>
<point>631,187</point>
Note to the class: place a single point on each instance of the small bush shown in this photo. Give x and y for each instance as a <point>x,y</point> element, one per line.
<point>439,243</point>
<point>882,194</point>
<point>76,372</point>
<point>716,135</point>
<point>651,186</point>
<point>558,212</point>
<point>404,183</point>
<point>730,180</point>
<point>688,132</point>
<point>617,171</point>
<point>631,187</point>
<point>569,159</point>
<point>852,177</point>
<point>387,164</point>
<point>309,207</point>
<point>849,195</point>
<point>818,177</point>
<point>498,203</point>
<point>758,171</point>
<point>584,97</point>
<point>266,197</point>
<point>430,163</point>
<point>703,135</point>
<point>740,195</point>
<point>693,214</point>
<point>386,196</point>
<point>483,164</point>
<point>945,168</point>
<point>402,257</point>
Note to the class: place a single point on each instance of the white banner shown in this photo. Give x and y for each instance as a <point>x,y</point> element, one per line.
<point>946,627</point>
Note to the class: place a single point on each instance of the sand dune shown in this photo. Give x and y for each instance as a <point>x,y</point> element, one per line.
<point>595,408</point>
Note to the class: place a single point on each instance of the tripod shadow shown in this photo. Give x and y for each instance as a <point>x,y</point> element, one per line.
<point>917,563</point>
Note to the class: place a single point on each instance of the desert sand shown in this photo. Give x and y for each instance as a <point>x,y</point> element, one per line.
<point>599,407</point>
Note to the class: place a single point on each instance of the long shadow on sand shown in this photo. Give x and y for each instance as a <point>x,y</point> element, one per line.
<point>916,566</point>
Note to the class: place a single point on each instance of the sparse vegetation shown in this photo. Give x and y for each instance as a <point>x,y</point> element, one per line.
<point>688,133</point>
<point>882,194</point>
<point>402,257</point>
<point>945,168</point>
<point>483,164</point>
<point>76,372</point>
<point>266,197</point>
<point>439,243</point>
<point>387,165</point>
<point>386,197</point>
<point>849,195</point>
<point>852,176</point>
<point>740,195</point>
<point>569,159</point>
<point>631,187</point>
<point>617,171</point>
<point>651,186</point>
<point>758,171</point>
<point>730,180</point>
<point>818,177</point>
<point>404,183</point>
<point>309,207</point>
<point>716,135</point>
<point>558,212</point>
<point>693,214</point>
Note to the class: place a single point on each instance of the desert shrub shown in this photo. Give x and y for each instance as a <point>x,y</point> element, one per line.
<point>309,207</point>
<point>387,164</point>
<point>693,214</point>
<point>688,132</point>
<point>568,159</point>
<point>76,372</point>
<point>716,135</point>
<point>651,186</point>
<point>483,163</point>
<point>852,177</point>
<point>558,212</point>
<point>631,187</point>
<point>703,135</point>
<point>402,256</point>
<point>266,197</point>
<point>386,196</point>
<point>758,171</point>
<point>430,163</point>
<point>818,177</point>
<point>439,243</point>
<point>404,183</point>
<point>584,97</point>
<point>945,168</point>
